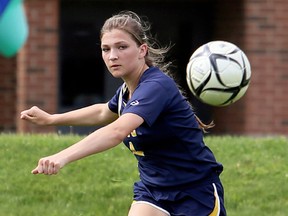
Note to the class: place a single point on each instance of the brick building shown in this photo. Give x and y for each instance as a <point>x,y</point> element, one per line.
<point>60,67</point>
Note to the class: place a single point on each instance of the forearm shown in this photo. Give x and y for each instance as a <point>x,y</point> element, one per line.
<point>98,114</point>
<point>91,115</point>
<point>96,142</point>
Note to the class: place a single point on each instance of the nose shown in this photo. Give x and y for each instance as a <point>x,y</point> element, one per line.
<point>113,55</point>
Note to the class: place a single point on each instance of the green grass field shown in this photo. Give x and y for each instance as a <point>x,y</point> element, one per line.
<point>255,177</point>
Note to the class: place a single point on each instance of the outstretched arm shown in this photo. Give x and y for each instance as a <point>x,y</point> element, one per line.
<point>101,140</point>
<point>98,114</point>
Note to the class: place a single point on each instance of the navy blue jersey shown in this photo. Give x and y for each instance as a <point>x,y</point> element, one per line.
<point>169,144</point>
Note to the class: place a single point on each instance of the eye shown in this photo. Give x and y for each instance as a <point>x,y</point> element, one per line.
<point>122,47</point>
<point>105,49</point>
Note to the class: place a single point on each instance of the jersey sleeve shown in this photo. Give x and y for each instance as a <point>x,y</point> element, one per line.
<point>148,101</point>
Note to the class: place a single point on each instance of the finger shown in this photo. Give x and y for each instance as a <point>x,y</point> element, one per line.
<point>56,168</point>
<point>46,167</point>
<point>23,112</point>
<point>50,170</point>
<point>26,117</point>
<point>35,171</point>
<point>38,169</point>
<point>23,115</point>
<point>40,166</point>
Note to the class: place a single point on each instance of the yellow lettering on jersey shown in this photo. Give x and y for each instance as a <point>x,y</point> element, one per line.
<point>133,134</point>
<point>139,153</point>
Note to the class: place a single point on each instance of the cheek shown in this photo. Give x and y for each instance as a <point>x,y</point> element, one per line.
<point>131,60</point>
<point>105,58</point>
<point>103,55</point>
<point>135,55</point>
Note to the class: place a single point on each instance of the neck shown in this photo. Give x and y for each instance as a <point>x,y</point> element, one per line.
<point>133,82</point>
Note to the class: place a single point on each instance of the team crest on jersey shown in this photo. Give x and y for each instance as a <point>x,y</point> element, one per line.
<point>134,103</point>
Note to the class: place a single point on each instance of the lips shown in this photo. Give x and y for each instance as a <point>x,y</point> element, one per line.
<point>114,66</point>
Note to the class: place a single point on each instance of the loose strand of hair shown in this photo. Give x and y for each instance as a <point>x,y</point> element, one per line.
<point>204,127</point>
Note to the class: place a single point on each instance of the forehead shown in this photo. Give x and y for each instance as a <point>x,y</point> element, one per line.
<point>115,36</point>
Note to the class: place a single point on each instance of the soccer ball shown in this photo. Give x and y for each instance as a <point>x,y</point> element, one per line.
<point>218,73</point>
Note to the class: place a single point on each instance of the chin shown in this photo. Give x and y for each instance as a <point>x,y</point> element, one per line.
<point>116,74</point>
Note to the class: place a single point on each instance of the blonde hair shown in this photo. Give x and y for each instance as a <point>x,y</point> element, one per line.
<point>139,29</point>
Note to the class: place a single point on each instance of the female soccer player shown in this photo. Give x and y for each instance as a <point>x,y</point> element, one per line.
<point>178,173</point>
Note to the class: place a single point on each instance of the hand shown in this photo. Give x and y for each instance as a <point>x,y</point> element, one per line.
<point>36,116</point>
<point>50,165</point>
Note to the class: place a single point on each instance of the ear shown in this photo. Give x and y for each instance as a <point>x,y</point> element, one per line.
<point>143,49</point>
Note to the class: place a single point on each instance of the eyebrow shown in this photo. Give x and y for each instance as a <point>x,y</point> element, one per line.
<point>117,43</point>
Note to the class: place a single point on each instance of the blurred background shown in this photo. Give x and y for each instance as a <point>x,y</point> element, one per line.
<point>59,68</point>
